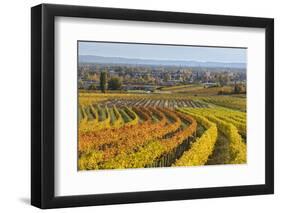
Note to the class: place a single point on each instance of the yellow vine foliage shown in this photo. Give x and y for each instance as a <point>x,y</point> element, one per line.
<point>222,118</point>
<point>202,148</point>
<point>238,148</point>
<point>90,160</point>
<point>154,149</point>
<point>117,143</point>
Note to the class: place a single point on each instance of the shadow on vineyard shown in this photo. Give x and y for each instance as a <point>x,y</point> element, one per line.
<point>221,153</point>
<point>169,159</point>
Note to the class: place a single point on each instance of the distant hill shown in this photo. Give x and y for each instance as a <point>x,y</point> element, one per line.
<point>119,60</point>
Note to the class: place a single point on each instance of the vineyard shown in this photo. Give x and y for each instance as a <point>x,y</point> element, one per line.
<point>118,131</point>
<point>164,103</point>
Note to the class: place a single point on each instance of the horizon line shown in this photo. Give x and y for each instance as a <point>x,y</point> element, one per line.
<point>164,59</point>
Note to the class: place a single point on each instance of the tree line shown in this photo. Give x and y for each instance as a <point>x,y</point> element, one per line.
<point>113,83</point>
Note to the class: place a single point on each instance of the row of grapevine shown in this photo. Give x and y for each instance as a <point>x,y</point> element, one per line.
<point>163,103</point>
<point>134,117</point>
<point>241,127</point>
<point>238,150</point>
<point>130,142</point>
<point>97,118</point>
<point>237,146</point>
<point>118,122</point>
<point>82,116</point>
<point>144,136</point>
<point>153,150</point>
<point>203,147</point>
<point>228,102</point>
<point>142,113</point>
<point>89,118</point>
<point>115,141</point>
<point>238,119</point>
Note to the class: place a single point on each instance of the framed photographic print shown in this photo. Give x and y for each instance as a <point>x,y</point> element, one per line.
<point>139,106</point>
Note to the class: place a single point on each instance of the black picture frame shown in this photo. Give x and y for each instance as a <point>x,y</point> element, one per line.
<point>43,102</point>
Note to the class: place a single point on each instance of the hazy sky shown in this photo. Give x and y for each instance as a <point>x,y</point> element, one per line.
<point>163,52</point>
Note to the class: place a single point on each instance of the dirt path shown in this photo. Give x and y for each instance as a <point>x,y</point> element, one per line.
<point>221,153</point>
